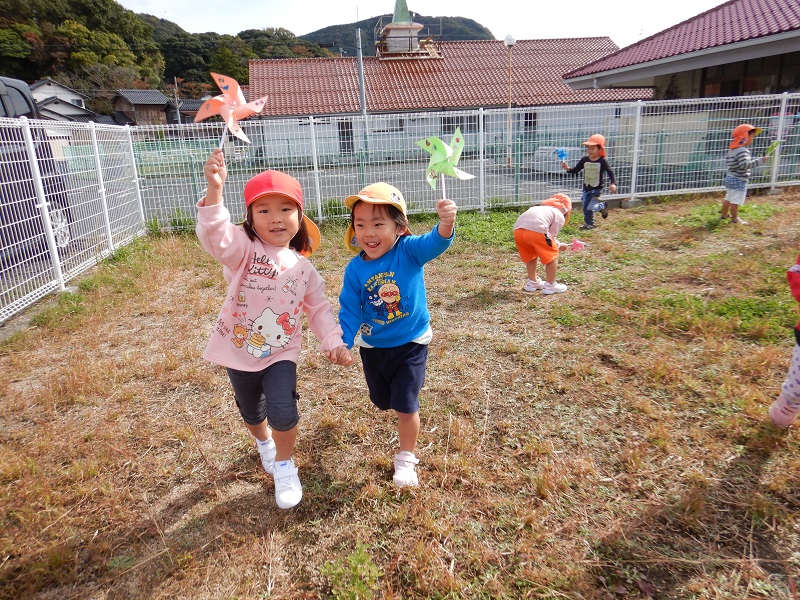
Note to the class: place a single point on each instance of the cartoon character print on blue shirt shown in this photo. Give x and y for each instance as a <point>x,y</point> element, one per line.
<point>376,302</point>
<point>390,294</point>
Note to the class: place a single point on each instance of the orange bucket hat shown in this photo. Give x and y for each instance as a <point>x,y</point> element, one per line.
<point>562,202</point>
<point>597,140</point>
<point>740,134</point>
<point>280,184</point>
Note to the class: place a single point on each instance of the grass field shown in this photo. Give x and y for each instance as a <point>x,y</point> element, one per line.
<point>609,442</point>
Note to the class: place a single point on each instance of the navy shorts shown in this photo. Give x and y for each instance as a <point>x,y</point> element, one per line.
<point>395,375</point>
<point>268,395</point>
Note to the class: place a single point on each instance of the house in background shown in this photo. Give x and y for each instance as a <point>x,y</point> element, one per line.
<point>414,74</point>
<point>742,47</point>
<point>188,109</point>
<point>49,90</point>
<point>461,75</point>
<point>59,102</point>
<point>140,107</point>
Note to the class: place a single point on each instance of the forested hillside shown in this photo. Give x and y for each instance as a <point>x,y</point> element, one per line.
<point>98,47</point>
<point>343,37</point>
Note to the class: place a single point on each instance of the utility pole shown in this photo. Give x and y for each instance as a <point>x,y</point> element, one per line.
<point>177,106</point>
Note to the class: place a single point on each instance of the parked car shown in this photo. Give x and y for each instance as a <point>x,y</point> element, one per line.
<point>22,231</point>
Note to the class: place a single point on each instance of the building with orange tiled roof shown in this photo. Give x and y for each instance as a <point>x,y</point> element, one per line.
<point>451,76</point>
<point>741,47</point>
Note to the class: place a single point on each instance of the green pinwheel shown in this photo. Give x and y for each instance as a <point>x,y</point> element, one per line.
<point>772,147</point>
<point>444,158</point>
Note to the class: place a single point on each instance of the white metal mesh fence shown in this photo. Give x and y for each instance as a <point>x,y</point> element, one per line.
<point>92,188</point>
<point>85,207</point>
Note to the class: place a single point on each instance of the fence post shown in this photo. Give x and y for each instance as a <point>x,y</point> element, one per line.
<point>101,185</point>
<point>42,201</point>
<point>315,165</point>
<point>637,130</point>
<point>776,156</point>
<point>481,161</point>
<point>137,189</point>
<point>517,165</point>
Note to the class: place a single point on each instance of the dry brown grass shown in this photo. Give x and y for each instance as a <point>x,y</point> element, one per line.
<point>603,443</point>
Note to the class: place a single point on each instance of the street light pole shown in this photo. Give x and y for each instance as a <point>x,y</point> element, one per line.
<point>509,42</point>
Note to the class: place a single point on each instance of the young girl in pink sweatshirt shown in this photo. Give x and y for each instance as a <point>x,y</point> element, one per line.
<point>786,407</point>
<point>257,334</point>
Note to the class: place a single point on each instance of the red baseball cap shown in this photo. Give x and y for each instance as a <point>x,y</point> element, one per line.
<point>278,183</point>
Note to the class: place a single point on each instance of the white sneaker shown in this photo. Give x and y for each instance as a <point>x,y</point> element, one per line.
<point>267,452</point>
<point>533,286</point>
<point>288,489</point>
<point>554,288</point>
<point>405,469</point>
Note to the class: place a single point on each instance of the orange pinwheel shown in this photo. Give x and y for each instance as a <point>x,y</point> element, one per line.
<point>231,106</point>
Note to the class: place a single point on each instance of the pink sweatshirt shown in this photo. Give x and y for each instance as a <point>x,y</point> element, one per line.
<point>268,287</point>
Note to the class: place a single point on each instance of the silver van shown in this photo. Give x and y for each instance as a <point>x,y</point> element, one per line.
<point>22,231</point>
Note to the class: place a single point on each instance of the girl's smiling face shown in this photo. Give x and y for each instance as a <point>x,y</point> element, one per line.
<point>276,219</point>
<point>376,231</point>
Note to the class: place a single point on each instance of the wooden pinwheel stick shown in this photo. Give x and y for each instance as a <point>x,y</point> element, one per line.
<point>222,139</point>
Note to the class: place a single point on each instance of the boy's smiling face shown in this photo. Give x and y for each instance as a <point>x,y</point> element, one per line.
<point>375,230</point>
<point>593,150</point>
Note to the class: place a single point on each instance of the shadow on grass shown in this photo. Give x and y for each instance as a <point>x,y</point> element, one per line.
<point>190,526</point>
<point>708,528</point>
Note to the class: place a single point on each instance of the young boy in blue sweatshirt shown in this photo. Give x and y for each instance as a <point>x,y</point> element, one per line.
<point>384,307</point>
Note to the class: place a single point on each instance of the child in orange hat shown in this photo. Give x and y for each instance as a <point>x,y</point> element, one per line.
<point>535,233</point>
<point>258,333</point>
<point>739,162</point>
<point>594,166</point>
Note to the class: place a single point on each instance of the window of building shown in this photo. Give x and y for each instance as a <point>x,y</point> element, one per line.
<point>467,123</point>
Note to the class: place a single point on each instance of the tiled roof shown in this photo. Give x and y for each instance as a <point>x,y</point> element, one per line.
<point>469,74</point>
<point>94,117</point>
<point>46,101</point>
<point>730,23</point>
<point>122,118</point>
<point>188,104</point>
<point>139,97</point>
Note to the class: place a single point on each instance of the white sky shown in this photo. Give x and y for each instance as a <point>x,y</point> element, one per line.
<point>624,21</point>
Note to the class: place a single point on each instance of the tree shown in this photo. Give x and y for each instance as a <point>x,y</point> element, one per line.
<point>18,47</point>
<point>231,58</point>
<point>100,82</point>
<point>93,47</point>
<point>183,57</point>
<point>227,63</point>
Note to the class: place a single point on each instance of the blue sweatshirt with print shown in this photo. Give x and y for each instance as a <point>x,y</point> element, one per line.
<point>385,298</point>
